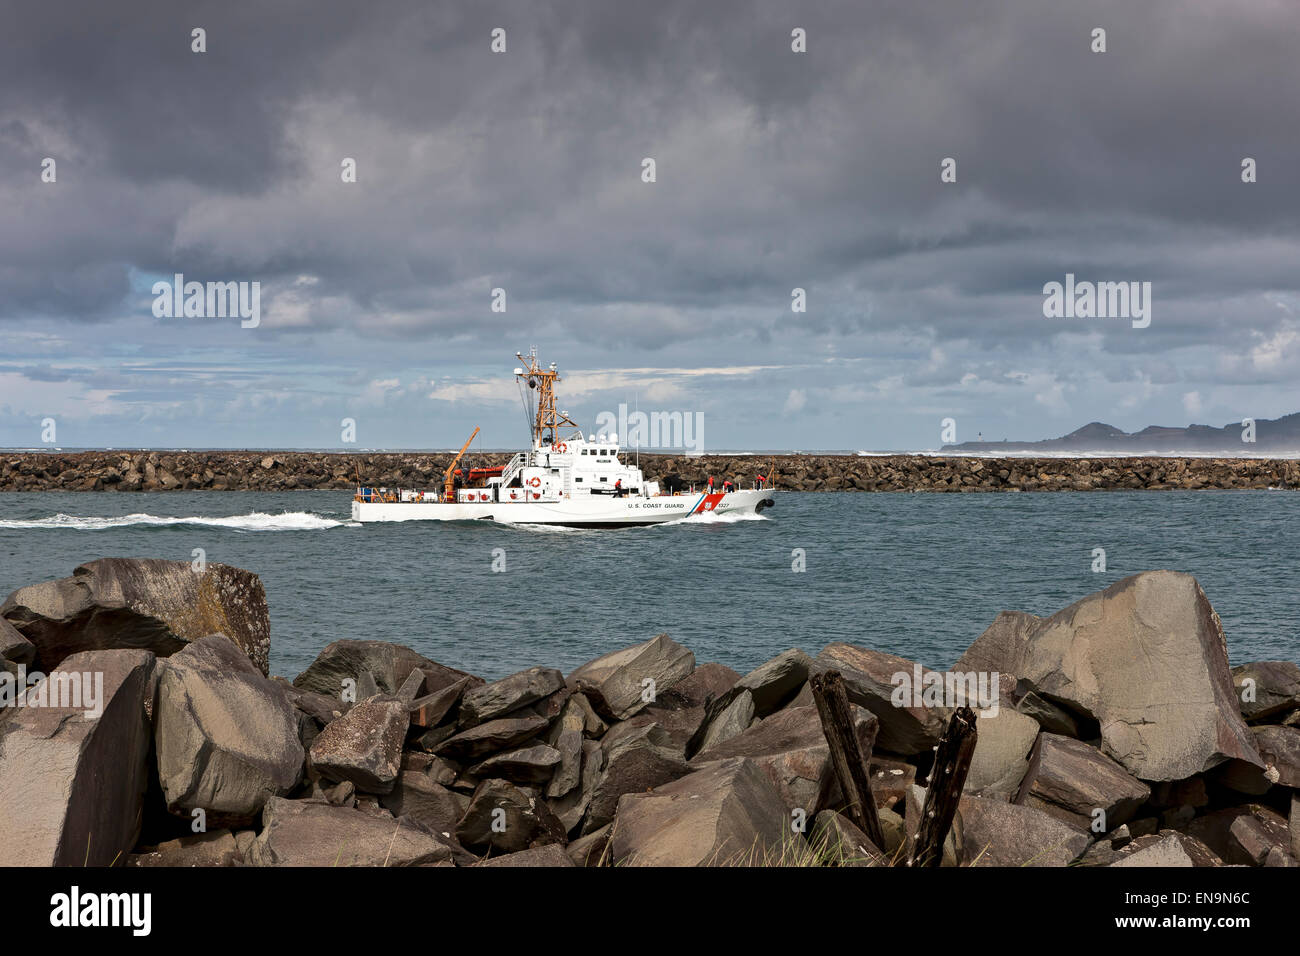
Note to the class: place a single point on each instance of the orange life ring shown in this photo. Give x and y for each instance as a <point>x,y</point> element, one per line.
<point>536,494</point>
<point>561,448</point>
<point>482,497</point>
<point>535,482</point>
<point>514,496</point>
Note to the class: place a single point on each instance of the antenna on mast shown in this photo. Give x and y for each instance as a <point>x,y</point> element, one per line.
<point>543,382</point>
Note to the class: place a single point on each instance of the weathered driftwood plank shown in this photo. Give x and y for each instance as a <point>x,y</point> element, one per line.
<point>849,762</point>
<point>947,779</point>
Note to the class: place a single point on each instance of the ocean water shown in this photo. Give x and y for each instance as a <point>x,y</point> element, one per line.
<point>920,575</point>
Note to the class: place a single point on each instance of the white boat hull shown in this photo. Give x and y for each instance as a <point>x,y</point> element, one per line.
<point>579,511</point>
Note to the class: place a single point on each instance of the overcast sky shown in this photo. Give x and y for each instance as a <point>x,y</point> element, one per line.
<point>523,171</point>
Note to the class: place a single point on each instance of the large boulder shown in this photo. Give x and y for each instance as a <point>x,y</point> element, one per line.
<point>364,746</point>
<point>541,857</point>
<point>1267,689</point>
<point>870,679</point>
<point>503,818</point>
<point>572,807</point>
<point>1072,781</point>
<point>311,833</point>
<point>500,734</point>
<point>997,833</point>
<point>1001,649</point>
<point>1168,848</point>
<point>532,766</point>
<point>623,682</point>
<point>1002,745</point>
<point>1146,658</point>
<point>726,813</point>
<point>499,698</point>
<point>790,748</point>
<point>143,603</point>
<point>226,736</point>
<point>386,665</point>
<point>633,761</point>
<point>1243,835</point>
<point>74,769</point>
<point>774,683</point>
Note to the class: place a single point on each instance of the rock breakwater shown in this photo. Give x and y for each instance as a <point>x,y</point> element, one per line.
<point>1111,733</point>
<point>287,471</point>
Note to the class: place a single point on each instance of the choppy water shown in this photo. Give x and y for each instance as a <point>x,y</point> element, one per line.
<point>920,575</point>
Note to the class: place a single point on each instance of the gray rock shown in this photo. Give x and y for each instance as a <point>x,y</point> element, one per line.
<point>633,763</point>
<point>551,855</point>
<point>503,818</point>
<point>431,804</point>
<point>71,786</point>
<point>364,746</point>
<point>890,779</point>
<point>1170,846</point>
<point>412,687</point>
<point>1279,747</point>
<point>790,748</point>
<point>572,807</point>
<point>590,850</point>
<point>775,682</point>
<point>894,828</point>
<point>13,646</point>
<point>307,833</point>
<point>1146,658</point>
<point>508,694</point>
<point>734,719</point>
<point>141,603</point>
<point>839,842</point>
<point>1053,719</point>
<point>215,848</point>
<point>996,833</point>
<point>1242,835</point>
<point>1166,851</point>
<point>385,665</point>
<point>727,813</point>
<point>870,680</point>
<point>1273,688</point>
<point>430,710</point>
<point>226,737</point>
<point>1002,747</point>
<point>1003,647</point>
<point>491,737</point>
<point>566,736</point>
<point>616,682</point>
<point>530,766</point>
<point>1070,780</point>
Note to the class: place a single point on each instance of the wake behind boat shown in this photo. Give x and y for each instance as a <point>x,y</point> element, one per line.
<point>563,479</point>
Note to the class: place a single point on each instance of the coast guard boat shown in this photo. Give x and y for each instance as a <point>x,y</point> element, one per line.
<point>563,479</point>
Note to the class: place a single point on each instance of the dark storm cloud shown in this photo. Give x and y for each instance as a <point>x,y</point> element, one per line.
<point>775,170</point>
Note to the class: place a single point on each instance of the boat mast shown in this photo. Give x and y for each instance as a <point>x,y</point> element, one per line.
<point>543,381</point>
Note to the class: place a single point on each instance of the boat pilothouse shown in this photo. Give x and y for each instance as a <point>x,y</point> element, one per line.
<point>564,478</point>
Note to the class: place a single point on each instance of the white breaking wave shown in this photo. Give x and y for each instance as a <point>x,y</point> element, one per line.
<point>254,521</point>
<point>712,517</point>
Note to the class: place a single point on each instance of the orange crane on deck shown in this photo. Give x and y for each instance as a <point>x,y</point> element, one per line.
<point>449,490</point>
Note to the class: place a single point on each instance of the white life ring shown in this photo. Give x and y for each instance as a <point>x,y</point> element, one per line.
<point>561,448</point>
<point>535,482</point>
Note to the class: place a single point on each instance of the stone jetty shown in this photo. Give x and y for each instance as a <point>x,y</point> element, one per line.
<point>138,727</point>
<point>287,471</point>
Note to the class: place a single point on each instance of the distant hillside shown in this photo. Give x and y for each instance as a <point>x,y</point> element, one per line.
<point>1272,437</point>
